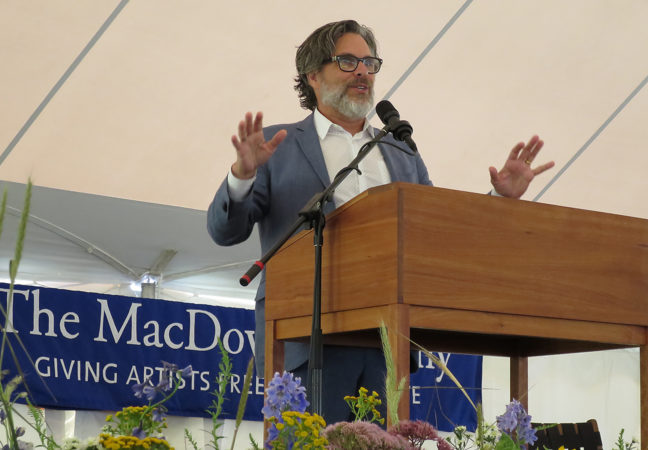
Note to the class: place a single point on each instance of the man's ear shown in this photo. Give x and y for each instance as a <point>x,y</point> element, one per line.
<point>313,79</point>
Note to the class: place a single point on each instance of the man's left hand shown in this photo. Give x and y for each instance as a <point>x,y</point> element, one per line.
<point>516,175</point>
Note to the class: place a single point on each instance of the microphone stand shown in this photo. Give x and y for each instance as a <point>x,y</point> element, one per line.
<point>312,214</point>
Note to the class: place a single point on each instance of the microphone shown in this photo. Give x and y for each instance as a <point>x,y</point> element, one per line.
<point>400,129</point>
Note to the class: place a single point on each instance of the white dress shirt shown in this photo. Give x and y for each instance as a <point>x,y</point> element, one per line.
<point>339,148</point>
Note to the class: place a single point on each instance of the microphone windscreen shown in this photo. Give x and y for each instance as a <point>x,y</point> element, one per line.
<point>386,111</point>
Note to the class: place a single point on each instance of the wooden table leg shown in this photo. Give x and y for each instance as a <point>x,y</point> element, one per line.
<point>643,394</point>
<point>274,359</point>
<point>520,380</point>
<point>274,352</point>
<point>399,331</point>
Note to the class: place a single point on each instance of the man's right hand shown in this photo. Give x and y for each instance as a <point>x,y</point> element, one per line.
<point>252,150</point>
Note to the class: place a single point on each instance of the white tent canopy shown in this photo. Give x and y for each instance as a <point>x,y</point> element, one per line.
<point>121,113</point>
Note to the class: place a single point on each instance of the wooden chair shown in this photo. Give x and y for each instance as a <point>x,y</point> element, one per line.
<point>577,436</point>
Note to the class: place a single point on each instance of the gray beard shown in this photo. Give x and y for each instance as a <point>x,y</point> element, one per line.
<point>337,98</point>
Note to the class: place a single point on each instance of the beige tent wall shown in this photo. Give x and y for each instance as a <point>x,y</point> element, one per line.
<point>148,112</point>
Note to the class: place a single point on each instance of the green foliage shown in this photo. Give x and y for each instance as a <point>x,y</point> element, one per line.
<point>460,438</point>
<point>190,438</point>
<point>506,443</point>
<point>243,399</point>
<point>363,405</point>
<point>7,390</point>
<point>216,407</point>
<point>393,388</point>
<point>486,433</point>
<point>39,424</point>
<point>621,443</point>
<point>299,430</point>
<point>253,443</point>
<point>123,422</point>
<point>149,420</point>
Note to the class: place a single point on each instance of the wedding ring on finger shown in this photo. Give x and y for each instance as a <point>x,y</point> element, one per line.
<point>527,162</point>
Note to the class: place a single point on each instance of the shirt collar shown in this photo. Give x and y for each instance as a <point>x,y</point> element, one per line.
<point>323,125</point>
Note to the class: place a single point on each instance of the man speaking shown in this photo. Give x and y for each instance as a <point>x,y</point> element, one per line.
<point>279,168</point>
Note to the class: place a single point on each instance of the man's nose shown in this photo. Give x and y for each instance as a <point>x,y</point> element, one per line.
<point>361,70</point>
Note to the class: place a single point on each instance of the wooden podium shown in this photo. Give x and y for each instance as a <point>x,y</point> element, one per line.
<point>467,273</point>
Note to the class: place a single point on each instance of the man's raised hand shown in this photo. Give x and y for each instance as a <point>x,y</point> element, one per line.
<point>252,150</point>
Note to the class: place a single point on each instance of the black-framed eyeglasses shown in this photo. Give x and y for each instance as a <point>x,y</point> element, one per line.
<point>349,63</point>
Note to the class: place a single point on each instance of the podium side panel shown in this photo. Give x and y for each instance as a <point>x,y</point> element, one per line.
<point>359,262</point>
<point>483,253</point>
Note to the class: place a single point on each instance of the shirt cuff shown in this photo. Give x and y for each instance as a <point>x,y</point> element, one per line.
<point>494,193</point>
<point>238,189</point>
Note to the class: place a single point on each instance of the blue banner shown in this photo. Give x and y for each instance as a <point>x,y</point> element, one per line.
<point>89,349</point>
<point>436,399</point>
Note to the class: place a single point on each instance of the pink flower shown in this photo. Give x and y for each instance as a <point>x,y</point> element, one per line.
<point>363,436</point>
<point>417,432</point>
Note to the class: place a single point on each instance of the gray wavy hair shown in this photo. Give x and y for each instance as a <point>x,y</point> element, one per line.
<point>318,48</point>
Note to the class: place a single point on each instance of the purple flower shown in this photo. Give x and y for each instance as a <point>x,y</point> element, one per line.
<point>517,423</point>
<point>138,389</point>
<point>169,366</point>
<point>186,372</point>
<point>273,434</point>
<point>20,431</point>
<point>159,414</point>
<point>284,392</point>
<point>22,445</point>
<point>164,384</point>
<point>171,371</point>
<point>138,433</point>
<point>146,389</point>
<point>149,392</point>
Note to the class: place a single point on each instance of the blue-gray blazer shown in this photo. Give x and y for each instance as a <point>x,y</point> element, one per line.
<point>283,186</point>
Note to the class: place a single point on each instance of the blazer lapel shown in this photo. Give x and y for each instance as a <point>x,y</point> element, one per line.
<point>397,170</point>
<point>309,144</point>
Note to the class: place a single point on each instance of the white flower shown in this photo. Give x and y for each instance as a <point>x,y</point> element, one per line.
<point>75,444</point>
